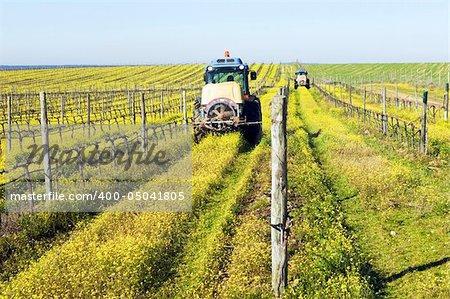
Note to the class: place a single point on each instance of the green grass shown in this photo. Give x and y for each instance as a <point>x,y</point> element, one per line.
<point>205,254</point>
<point>408,90</point>
<point>326,262</point>
<point>248,272</point>
<point>438,128</point>
<point>134,248</point>
<point>212,259</point>
<point>144,248</point>
<point>398,208</point>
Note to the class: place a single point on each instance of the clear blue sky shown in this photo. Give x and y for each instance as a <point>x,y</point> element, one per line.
<point>154,32</point>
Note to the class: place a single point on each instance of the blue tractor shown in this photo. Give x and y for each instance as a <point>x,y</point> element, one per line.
<point>226,103</point>
<point>301,79</point>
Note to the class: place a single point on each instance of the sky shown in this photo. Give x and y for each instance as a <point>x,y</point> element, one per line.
<point>196,31</point>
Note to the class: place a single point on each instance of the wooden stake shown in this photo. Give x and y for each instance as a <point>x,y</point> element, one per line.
<point>279,195</point>
<point>45,143</point>
<point>384,116</point>
<point>9,137</point>
<point>447,99</point>
<point>364,105</point>
<point>133,108</point>
<point>162,104</point>
<point>424,132</point>
<point>63,107</point>
<point>350,91</point>
<point>144,121</point>
<point>185,119</point>
<point>416,96</point>
<point>396,96</point>
<point>89,115</point>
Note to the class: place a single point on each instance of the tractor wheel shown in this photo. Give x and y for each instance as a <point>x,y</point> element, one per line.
<point>307,84</point>
<point>197,109</point>
<point>252,133</point>
<point>199,133</point>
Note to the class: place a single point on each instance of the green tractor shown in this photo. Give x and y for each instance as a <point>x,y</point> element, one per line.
<point>226,104</point>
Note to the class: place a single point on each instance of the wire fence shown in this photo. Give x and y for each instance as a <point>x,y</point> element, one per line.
<point>64,115</point>
<point>414,135</point>
<point>401,102</point>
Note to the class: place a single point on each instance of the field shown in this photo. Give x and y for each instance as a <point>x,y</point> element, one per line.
<point>420,73</point>
<point>370,212</point>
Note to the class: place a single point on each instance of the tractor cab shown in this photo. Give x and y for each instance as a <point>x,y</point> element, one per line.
<point>229,70</point>
<point>301,79</point>
<point>301,72</point>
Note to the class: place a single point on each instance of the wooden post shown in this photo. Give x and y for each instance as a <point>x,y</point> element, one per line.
<point>162,104</point>
<point>103,106</point>
<point>63,107</point>
<point>88,115</point>
<point>279,195</point>
<point>133,108</point>
<point>446,100</point>
<point>416,96</point>
<point>364,105</point>
<point>340,90</point>
<point>45,143</point>
<point>384,116</point>
<point>350,99</point>
<point>424,132</point>
<point>79,103</point>
<point>144,121</point>
<point>130,109</point>
<point>169,104</point>
<point>9,123</point>
<point>396,96</point>
<point>152,105</point>
<point>185,119</point>
<point>27,99</point>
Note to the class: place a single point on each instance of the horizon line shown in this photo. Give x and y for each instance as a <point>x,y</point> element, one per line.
<point>43,66</point>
